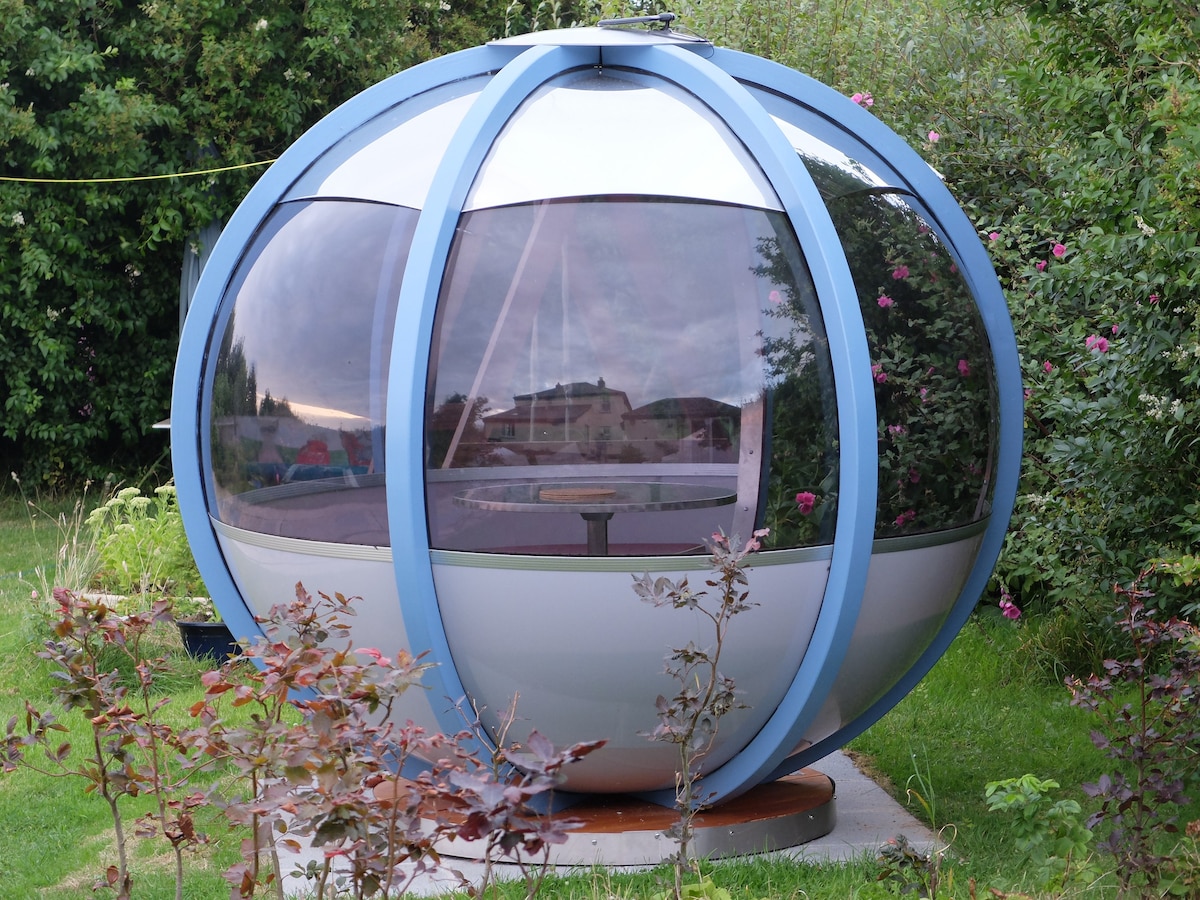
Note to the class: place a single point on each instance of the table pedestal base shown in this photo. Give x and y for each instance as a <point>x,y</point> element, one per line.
<point>597,533</point>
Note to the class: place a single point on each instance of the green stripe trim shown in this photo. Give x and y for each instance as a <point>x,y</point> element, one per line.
<point>531,562</point>
<point>327,549</point>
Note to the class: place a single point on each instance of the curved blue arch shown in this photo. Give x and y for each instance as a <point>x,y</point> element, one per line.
<point>893,153</point>
<point>412,337</point>
<point>855,398</point>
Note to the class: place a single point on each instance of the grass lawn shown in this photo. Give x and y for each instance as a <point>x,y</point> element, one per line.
<point>982,715</point>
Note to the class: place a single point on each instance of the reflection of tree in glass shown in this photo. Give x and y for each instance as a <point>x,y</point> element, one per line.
<point>272,407</point>
<point>470,448</point>
<point>234,394</point>
<point>931,363</point>
<point>800,415</point>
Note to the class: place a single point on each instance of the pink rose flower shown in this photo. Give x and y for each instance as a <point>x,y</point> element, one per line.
<point>1047,367</point>
<point>934,137</point>
<point>1040,265</point>
<point>806,500</point>
<point>1095,342</point>
<point>1058,250</point>
<point>775,297</point>
<point>900,272</point>
<point>905,517</point>
<point>880,375</point>
<point>964,368</point>
<point>994,236</point>
<point>885,301</point>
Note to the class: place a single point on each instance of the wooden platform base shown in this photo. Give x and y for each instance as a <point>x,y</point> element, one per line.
<point>620,830</point>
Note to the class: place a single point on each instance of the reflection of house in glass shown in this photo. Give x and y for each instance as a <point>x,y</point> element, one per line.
<point>578,418</point>
<point>685,429</point>
<point>595,422</point>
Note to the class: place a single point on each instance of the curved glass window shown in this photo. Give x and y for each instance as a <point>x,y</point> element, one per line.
<point>363,165</point>
<point>935,388</point>
<point>624,376</point>
<point>601,132</point>
<point>298,373</point>
<point>935,391</point>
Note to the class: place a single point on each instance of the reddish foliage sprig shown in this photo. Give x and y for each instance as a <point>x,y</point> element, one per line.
<point>1147,704</point>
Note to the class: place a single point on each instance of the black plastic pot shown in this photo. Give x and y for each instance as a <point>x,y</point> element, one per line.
<point>211,639</point>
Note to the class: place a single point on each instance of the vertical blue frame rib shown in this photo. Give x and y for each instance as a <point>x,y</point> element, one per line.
<point>189,397</point>
<point>854,394</point>
<point>881,143</point>
<point>412,337</point>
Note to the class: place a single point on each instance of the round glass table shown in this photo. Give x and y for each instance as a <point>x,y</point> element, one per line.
<point>596,502</point>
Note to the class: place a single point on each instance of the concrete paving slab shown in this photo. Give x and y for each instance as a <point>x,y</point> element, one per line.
<point>866,817</point>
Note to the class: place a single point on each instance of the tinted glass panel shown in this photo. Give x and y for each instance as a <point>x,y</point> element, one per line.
<point>363,164</point>
<point>587,349</point>
<point>934,378</point>
<point>300,373</point>
<point>605,131</point>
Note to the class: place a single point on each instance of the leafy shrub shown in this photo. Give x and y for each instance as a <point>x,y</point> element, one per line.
<point>1095,238</point>
<point>1150,726</point>
<point>904,869</point>
<point>331,775</point>
<point>691,718</point>
<point>1049,835</point>
<point>312,754</point>
<point>128,750</point>
<point>142,545</point>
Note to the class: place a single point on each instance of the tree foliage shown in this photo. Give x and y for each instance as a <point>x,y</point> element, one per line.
<point>95,90</point>
<point>1069,130</point>
<point>1097,247</point>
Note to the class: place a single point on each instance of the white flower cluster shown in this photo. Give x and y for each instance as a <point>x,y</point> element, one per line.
<point>1159,408</point>
<point>18,218</point>
<point>1182,356</point>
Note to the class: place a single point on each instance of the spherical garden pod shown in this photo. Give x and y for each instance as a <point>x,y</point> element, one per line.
<point>525,321</point>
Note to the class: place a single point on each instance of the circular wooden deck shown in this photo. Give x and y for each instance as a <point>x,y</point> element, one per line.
<point>620,830</point>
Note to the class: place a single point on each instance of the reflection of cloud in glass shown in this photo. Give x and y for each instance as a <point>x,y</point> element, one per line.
<point>327,418</point>
<point>841,174</point>
<point>662,299</point>
<point>308,308</point>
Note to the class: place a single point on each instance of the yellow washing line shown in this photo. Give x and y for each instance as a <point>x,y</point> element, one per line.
<point>24,180</point>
